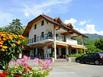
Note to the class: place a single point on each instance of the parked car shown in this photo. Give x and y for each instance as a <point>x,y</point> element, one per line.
<point>91,58</point>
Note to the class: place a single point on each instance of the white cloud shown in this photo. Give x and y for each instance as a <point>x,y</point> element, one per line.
<point>44,7</point>
<point>100,33</point>
<point>71,20</point>
<point>83,26</point>
<point>26,14</point>
<point>82,22</point>
<point>90,28</point>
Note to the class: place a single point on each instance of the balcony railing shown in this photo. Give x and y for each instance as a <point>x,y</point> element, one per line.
<point>72,42</point>
<point>50,36</point>
<point>40,38</point>
<point>60,38</point>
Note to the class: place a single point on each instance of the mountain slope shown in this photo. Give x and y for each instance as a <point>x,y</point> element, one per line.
<point>94,36</point>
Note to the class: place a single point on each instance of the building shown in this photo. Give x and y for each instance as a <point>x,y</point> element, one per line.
<point>48,37</point>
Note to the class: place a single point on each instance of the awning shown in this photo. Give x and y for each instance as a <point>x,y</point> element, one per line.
<point>78,46</point>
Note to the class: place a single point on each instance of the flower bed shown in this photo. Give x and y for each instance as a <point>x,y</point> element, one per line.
<point>22,68</point>
<point>10,48</point>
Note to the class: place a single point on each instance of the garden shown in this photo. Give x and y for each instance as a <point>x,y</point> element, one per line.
<point>11,46</point>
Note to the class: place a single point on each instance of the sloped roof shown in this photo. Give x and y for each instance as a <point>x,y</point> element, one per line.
<point>56,21</point>
<point>29,25</point>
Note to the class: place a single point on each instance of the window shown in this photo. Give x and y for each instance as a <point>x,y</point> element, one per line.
<point>64,38</point>
<point>30,40</point>
<point>49,34</point>
<point>35,26</point>
<point>42,23</point>
<point>47,22</point>
<point>42,34</point>
<point>34,38</point>
<point>57,35</point>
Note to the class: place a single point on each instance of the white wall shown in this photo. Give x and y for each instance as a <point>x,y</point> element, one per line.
<point>71,41</point>
<point>46,28</point>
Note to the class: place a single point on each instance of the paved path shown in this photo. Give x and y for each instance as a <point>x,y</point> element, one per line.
<point>64,69</point>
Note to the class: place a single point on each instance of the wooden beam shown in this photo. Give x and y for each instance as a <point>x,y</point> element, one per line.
<point>66,33</point>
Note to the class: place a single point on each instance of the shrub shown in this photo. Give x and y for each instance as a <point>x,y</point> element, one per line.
<point>10,47</point>
<point>74,55</point>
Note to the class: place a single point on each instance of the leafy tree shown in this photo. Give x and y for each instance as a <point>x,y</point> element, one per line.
<point>14,27</point>
<point>90,44</point>
<point>1,29</point>
<point>99,43</point>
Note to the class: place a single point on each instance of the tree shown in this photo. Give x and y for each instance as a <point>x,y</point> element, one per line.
<point>90,44</point>
<point>14,27</point>
<point>1,29</point>
<point>99,43</point>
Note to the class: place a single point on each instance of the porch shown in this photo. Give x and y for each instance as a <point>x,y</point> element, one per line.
<point>47,50</point>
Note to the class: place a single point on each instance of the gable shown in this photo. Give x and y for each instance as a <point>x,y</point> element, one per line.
<point>30,24</point>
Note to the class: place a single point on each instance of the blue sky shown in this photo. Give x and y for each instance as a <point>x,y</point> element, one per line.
<point>85,15</point>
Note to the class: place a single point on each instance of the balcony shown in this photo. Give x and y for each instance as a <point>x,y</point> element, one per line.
<point>60,38</point>
<point>72,42</point>
<point>40,38</point>
<point>49,37</point>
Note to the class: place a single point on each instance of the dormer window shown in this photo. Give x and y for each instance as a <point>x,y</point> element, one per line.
<point>42,23</point>
<point>35,26</point>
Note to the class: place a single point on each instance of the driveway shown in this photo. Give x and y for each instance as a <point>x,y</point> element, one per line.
<point>67,69</point>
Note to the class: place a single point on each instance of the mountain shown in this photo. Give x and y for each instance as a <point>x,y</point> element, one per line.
<point>94,36</point>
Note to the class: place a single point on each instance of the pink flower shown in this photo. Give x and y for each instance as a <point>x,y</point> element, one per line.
<point>46,64</point>
<point>12,62</point>
<point>36,61</point>
<point>26,58</point>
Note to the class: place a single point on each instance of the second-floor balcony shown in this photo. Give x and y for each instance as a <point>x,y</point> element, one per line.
<point>46,37</point>
<point>72,42</point>
<point>50,37</point>
<point>40,38</point>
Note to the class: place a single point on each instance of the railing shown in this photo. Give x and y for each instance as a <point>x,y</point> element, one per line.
<point>40,38</point>
<point>60,38</point>
<point>72,42</point>
<point>50,36</point>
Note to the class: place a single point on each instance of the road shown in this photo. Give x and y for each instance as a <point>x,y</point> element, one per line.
<point>67,69</point>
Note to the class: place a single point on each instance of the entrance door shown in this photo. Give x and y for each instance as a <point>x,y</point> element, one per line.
<point>63,52</point>
<point>59,53</point>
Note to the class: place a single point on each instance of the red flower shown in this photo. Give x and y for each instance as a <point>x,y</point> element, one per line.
<point>3,74</point>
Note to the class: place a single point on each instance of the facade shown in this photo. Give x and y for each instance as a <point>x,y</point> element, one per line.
<point>48,37</point>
